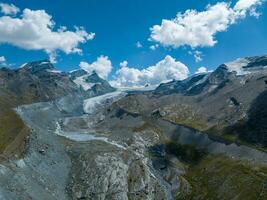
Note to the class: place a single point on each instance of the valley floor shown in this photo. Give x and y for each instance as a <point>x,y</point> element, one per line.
<point>98,150</point>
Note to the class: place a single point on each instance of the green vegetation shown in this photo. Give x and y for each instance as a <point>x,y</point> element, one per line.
<point>218,177</point>
<point>239,133</point>
<point>223,179</point>
<point>217,129</point>
<point>11,126</point>
<point>197,124</point>
<point>231,137</point>
<point>235,134</point>
<point>186,116</point>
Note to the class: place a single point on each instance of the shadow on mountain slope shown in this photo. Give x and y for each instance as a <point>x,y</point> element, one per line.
<point>254,129</point>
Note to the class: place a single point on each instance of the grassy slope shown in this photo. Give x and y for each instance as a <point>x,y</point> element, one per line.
<point>207,176</point>
<point>11,125</point>
<point>223,178</point>
<point>186,116</point>
<point>218,177</point>
<point>232,135</point>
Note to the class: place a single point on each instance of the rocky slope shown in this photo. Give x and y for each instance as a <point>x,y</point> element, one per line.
<point>170,143</point>
<point>219,102</point>
<point>112,153</point>
<point>35,82</point>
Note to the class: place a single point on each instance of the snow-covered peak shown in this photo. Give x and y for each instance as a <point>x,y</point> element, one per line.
<point>88,80</point>
<point>44,63</point>
<point>247,65</point>
<point>54,71</point>
<point>137,88</point>
<point>37,66</point>
<point>23,65</point>
<point>81,81</point>
<point>72,71</point>
<point>238,66</point>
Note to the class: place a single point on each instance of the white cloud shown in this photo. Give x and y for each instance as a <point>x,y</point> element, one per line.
<point>247,4</point>
<point>34,30</point>
<point>138,45</point>
<point>2,59</point>
<point>201,70</point>
<point>53,57</point>
<point>198,55</point>
<point>198,29</point>
<point>102,66</point>
<point>9,9</point>
<point>165,70</point>
<point>244,6</point>
<point>124,63</point>
<point>154,47</point>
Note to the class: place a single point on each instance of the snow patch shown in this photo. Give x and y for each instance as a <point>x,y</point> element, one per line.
<point>44,63</point>
<point>136,88</point>
<point>20,163</point>
<point>237,66</point>
<point>54,71</point>
<point>199,82</point>
<point>81,82</point>
<point>23,65</point>
<point>75,70</point>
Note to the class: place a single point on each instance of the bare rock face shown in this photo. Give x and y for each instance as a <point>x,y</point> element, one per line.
<point>102,177</point>
<point>114,173</point>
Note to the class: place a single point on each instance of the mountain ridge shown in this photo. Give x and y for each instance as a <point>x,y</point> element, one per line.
<point>36,81</point>
<point>183,140</point>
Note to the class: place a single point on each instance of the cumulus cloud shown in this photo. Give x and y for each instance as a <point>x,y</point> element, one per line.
<point>2,59</point>
<point>247,4</point>
<point>201,70</point>
<point>138,45</point>
<point>154,47</point>
<point>198,29</point>
<point>124,63</point>
<point>9,9</point>
<point>243,7</point>
<point>165,70</point>
<point>35,30</point>
<point>102,66</point>
<point>198,55</point>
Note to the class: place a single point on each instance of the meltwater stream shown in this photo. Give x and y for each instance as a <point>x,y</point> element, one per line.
<point>84,137</point>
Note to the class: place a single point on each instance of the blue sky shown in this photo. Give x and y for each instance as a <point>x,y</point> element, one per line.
<point>118,25</point>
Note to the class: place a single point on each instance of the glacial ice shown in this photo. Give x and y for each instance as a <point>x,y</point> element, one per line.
<point>92,104</point>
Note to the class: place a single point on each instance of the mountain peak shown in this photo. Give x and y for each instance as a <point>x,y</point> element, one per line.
<point>77,73</point>
<point>242,66</point>
<point>94,73</point>
<point>37,66</point>
<point>90,82</point>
